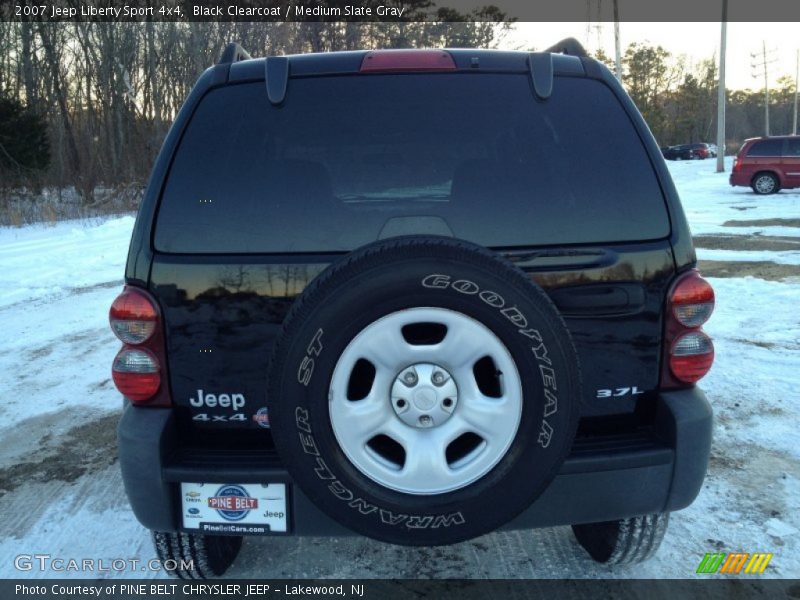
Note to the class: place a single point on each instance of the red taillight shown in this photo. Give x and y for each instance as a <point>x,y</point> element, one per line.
<point>737,165</point>
<point>133,317</point>
<point>691,356</point>
<point>688,351</point>
<point>139,369</point>
<point>692,300</point>
<point>137,374</point>
<point>407,60</point>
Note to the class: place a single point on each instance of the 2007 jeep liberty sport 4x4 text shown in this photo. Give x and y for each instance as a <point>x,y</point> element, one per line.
<point>416,295</point>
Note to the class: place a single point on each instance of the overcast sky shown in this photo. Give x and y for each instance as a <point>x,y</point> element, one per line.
<point>697,41</point>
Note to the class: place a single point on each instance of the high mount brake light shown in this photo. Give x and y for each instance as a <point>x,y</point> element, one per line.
<point>688,351</point>
<point>407,60</point>
<point>139,369</point>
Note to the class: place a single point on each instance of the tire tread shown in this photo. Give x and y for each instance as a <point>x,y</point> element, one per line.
<point>623,542</point>
<point>210,555</point>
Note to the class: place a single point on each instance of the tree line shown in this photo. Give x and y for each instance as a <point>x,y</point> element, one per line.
<point>679,100</point>
<point>106,93</point>
<point>87,105</point>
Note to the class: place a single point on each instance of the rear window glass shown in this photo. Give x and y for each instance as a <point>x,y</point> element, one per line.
<point>793,147</point>
<point>347,160</point>
<point>766,148</point>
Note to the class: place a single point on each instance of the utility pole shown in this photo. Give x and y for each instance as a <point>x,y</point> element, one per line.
<point>588,22</point>
<point>618,57</point>
<point>766,59</point>
<point>598,24</point>
<point>599,27</point>
<point>796,79</point>
<point>721,91</point>
<point>766,86</point>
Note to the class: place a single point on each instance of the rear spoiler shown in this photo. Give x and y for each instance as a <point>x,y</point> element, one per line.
<point>233,53</point>
<point>276,68</point>
<point>541,65</point>
<point>569,46</point>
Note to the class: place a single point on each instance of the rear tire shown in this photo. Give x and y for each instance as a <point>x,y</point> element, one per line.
<point>195,556</point>
<point>623,542</point>
<point>765,183</point>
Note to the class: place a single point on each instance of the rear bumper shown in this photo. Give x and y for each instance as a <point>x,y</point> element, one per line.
<point>740,179</point>
<point>603,479</point>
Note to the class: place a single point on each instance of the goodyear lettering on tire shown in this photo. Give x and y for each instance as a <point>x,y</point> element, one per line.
<point>517,319</point>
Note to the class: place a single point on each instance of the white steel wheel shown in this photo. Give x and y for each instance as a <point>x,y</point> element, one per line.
<point>425,401</point>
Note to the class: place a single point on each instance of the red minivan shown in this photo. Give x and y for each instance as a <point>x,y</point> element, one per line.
<point>768,164</point>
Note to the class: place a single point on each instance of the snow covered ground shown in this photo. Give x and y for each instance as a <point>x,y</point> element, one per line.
<point>61,490</point>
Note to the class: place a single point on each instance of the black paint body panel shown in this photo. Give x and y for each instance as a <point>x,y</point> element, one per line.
<point>223,312</point>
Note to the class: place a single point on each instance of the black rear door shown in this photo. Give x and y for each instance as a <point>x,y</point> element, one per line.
<point>260,198</point>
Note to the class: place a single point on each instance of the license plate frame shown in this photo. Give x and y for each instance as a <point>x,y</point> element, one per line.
<point>235,508</point>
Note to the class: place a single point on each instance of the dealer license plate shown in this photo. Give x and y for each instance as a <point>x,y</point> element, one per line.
<point>234,508</point>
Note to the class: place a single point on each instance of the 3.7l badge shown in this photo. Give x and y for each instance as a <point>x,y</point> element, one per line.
<point>619,392</point>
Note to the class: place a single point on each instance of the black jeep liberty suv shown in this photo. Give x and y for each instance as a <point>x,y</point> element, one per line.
<point>416,295</point>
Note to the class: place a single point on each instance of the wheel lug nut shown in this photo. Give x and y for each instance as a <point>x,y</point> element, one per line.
<point>425,421</point>
<point>438,378</point>
<point>410,378</point>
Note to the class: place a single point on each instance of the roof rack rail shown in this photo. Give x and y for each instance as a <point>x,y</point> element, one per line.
<point>233,53</point>
<point>569,46</point>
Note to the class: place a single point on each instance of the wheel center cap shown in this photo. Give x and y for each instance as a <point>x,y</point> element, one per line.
<point>424,395</point>
<point>424,398</point>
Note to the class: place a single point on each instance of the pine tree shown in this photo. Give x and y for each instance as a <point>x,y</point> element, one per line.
<point>24,147</point>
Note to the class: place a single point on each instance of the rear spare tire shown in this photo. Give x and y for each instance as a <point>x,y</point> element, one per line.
<point>423,391</point>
